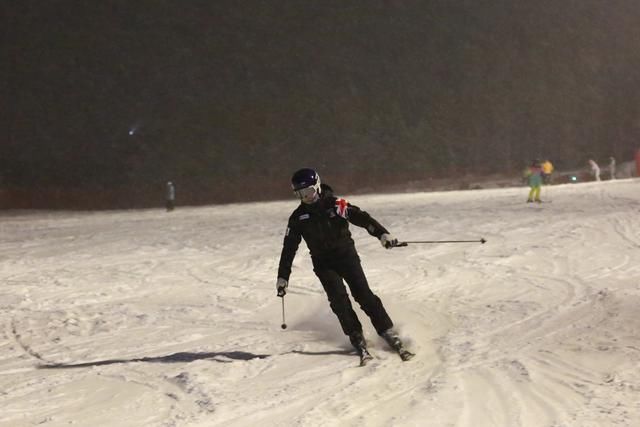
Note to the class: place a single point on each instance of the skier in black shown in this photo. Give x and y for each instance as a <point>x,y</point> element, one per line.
<point>170,196</point>
<point>322,220</point>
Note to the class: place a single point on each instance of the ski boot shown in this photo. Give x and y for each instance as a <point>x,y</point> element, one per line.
<point>358,342</point>
<point>393,339</point>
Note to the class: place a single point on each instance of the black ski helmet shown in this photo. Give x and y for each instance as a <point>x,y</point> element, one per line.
<point>306,185</point>
<point>304,178</point>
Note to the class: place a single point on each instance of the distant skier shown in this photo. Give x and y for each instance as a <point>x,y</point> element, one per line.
<point>547,170</point>
<point>533,176</point>
<point>170,196</point>
<point>322,220</point>
<point>612,167</point>
<point>595,169</point>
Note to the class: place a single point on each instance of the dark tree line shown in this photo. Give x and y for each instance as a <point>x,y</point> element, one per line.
<point>228,98</point>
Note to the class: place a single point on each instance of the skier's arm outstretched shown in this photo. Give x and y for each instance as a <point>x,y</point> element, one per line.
<point>290,245</point>
<point>357,216</point>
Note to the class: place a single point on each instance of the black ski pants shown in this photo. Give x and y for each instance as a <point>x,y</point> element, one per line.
<point>345,264</point>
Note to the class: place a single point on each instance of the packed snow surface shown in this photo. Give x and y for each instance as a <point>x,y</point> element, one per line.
<point>148,318</point>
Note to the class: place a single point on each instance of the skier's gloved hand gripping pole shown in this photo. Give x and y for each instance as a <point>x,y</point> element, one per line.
<point>388,241</point>
<point>281,287</point>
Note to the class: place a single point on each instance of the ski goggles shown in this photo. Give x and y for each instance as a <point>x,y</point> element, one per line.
<point>305,193</point>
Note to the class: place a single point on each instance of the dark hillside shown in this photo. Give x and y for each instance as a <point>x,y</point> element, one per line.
<point>108,100</point>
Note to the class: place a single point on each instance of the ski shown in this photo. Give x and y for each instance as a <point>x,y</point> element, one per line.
<point>405,354</point>
<point>365,357</point>
<point>393,339</point>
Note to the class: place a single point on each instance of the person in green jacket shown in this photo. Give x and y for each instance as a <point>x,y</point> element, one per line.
<point>533,175</point>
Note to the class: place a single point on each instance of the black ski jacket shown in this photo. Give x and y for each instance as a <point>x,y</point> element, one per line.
<point>324,226</point>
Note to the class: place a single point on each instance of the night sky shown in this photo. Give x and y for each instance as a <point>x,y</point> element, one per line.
<point>103,102</point>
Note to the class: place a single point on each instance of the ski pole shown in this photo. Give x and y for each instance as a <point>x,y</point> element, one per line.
<point>284,324</point>
<point>482,241</point>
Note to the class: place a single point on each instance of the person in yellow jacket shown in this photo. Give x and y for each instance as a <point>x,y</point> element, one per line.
<point>547,170</point>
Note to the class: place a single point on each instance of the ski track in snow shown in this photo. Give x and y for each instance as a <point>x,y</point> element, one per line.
<point>143,318</point>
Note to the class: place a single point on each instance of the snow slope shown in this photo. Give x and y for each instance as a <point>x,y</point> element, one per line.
<point>144,318</point>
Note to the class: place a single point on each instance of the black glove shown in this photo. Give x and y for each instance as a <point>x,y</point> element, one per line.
<point>388,241</point>
<point>281,286</point>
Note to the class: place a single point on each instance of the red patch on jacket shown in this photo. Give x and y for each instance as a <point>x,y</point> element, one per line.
<point>341,207</point>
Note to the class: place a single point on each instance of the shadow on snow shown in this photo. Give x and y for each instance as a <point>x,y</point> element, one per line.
<point>223,357</point>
